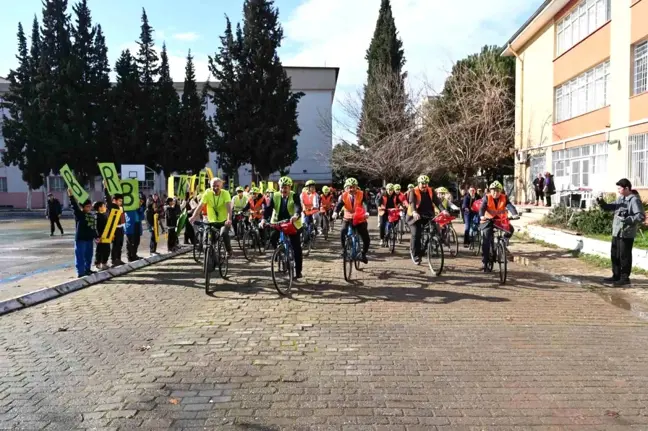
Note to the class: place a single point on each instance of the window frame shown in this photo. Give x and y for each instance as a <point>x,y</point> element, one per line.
<point>594,14</point>
<point>643,57</point>
<point>572,98</point>
<point>4,189</point>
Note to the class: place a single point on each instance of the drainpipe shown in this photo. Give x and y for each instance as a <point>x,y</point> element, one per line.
<point>517,56</point>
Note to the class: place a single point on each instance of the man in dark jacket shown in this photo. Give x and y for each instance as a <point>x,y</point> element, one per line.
<point>549,188</point>
<point>53,213</point>
<point>86,233</point>
<point>628,215</point>
<point>538,188</point>
<point>468,214</point>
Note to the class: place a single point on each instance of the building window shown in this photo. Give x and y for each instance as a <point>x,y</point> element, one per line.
<point>638,151</point>
<point>578,164</point>
<point>2,150</point>
<point>641,68</point>
<point>583,20</point>
<point>3,185</point>
<point>584,93</point>
<point>57,184</point>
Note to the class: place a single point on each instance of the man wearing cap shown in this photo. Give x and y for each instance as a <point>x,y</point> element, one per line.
<point>53,213</point>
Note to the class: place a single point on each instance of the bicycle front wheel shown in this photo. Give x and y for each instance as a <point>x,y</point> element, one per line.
<point>208,266</point>
<point>282,273</point>
<point>347,259</point>
<point>453,243</point>
<point>477,241</point>
<point>249,244</point>
<point>435,255</point>
<point>502,261</point>
<point>198,249</point>
<point>401,230</point>
<point>392,239</point>
<point>325,229</point>
<point>223,260</point>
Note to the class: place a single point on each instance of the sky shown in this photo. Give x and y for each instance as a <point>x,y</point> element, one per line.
<point>334,33</point>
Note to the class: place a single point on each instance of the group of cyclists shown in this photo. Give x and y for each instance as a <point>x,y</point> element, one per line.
<point>313,213</point>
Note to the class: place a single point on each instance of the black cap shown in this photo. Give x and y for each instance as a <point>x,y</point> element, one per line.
<point>625,183</point>
<point>118,196</point>
<point>169,200</point>
<point>86,202</point>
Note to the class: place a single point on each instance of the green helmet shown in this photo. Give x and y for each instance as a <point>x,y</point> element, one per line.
<point>310,183</point>
<point>326,189</point>
<point>423,179</point>
<point>255,190</point>
<point>442,190</point>
<point>285,181</point>
<point>397,187</point>
<point>410,186</point>
<point>239,189</point>
<point>389,187</point>
<point>350,182</point>
<point>496,185</point>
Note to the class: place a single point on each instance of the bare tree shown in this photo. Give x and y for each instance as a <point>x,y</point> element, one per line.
<point>470,125</point>
<point>394,150</point>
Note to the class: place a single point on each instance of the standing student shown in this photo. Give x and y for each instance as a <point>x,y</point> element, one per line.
<point>53,213</point>
<point>149,214</point>
<point>172,214</point>
<point>133,229</point>
<point>85,235</point>
<point>103,249</point>
<point>116,202</point>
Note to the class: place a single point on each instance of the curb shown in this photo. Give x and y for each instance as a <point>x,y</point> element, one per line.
<point>48,293</point>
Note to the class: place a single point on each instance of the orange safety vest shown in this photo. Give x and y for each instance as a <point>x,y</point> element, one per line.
<point>348,208</point>
<point>307,201</point>
<point>496,211</point>
<point>395,198</point>
<point>256,208</point>
<point>326,201</point>
<point>417,193</point>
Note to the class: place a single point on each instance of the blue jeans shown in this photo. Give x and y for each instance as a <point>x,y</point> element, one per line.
<point>82,256</point>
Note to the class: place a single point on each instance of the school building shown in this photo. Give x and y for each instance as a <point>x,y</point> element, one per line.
<point>582,96</point>
<point>314,144</point>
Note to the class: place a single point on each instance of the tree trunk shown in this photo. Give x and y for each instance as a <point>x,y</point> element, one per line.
<point>29,199</point>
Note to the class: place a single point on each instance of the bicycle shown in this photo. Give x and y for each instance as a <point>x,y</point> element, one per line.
<point>214,256</point>
<point>283,258</point>
<point>431,243</point>
<point>352,251</point>
<point>308,235</point>
<point>475,236</point>
<point>326,222</point>
<point>198,246</point>
<point>391,230</point>
<point>242,226</point>
<point>448,233</point>
<point>254,240</point>
<point>499,248</point>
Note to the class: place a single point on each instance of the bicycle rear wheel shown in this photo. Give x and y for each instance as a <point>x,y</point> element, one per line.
<point>198,248</point>
<point>347,259</point>
<point>307,241</point>
<point>435,255</point>
<point>282,271</point>
<point>208,266</point>
<point>502,261</point>
<point>392,238</point>
<point>223,260</point>
<point>453,242</point>
<point>249,244</point>
<point>477,240</point>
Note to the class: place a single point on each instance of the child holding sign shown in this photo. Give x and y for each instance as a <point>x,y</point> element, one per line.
<point>103,249</point>
<point>86,233</point>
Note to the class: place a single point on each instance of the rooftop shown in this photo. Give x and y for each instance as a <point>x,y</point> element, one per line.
<point>538,20</point>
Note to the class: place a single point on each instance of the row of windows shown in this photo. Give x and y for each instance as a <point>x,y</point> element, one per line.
<point>584,20</point>
<point>578,164</point>
<point>584,93</point>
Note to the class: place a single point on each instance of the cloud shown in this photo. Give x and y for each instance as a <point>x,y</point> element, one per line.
<point>434,34</point>
<point>187,37</point>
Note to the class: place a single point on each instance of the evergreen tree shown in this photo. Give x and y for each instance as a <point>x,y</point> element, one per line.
<point>148,70</point>
<point>269,106</point>
<point>101,86</point>
<point>165,133</point>
<point>385,80</point>
<point>193,125</point>
<point>54,83</point>
<point>23,148</point>
<point>124,121</point>
<point>226,136</point>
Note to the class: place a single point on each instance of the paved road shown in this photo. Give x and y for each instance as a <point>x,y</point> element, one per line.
<point>395,350</point>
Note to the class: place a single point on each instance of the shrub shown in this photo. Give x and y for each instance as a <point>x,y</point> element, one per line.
<point>558,216</point>
<point>593,222</point>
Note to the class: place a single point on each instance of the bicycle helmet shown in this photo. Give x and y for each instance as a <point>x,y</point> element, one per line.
<point>496,185</point>
<point>442,190</point>
<point>389,187</point>
<point>285,181</point>
<point>397,187</point>
<point>310,183</point>
<point>423,179</point>
<point>326,190</point>
<point>255,190</point>
<point>410,186</point>
<point>350,182</point>
<point>239,189</point>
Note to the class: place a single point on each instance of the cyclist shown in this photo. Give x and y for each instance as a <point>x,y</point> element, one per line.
<point>310,205</point>
<point>238,203</point>
<point>283,206</point>
<point>218,203</point>
<point>446,198</point>
<point>399,194</point>
<point>351,201</point>
<point>326,203</point>
<point>388,201</point>
<point>468,214</point>
<point>421,203</point>
<point>255,204</point>
<point>494,206</point>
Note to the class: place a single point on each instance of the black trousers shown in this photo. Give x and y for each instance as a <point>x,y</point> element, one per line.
<point>295,241</point>
<point>548,197</point>
<point>362,231</point>
<point>384,219</point>
<point>415,239</point>
<point>189,235</point>
<point>152,244</point>
<point>57,221</point>
<point>621,256</point>
<point>539,196</point>
<point>117,244</point>
<point>172,238</point>
<point>132,244</point>
<point>102,253</point>
<point>487,235</point>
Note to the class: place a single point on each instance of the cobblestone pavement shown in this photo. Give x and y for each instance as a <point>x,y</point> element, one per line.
<point>397,350</point>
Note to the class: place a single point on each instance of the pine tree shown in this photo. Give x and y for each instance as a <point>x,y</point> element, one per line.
<point>167,109</point>
<point>23,148</point>
<point>385,85</point>
<point>148,70</point>
<point>100,80</point>
<point>192,125</point>
<point>264,92</point>
<point>124,121</point>
<point>54,82</point>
